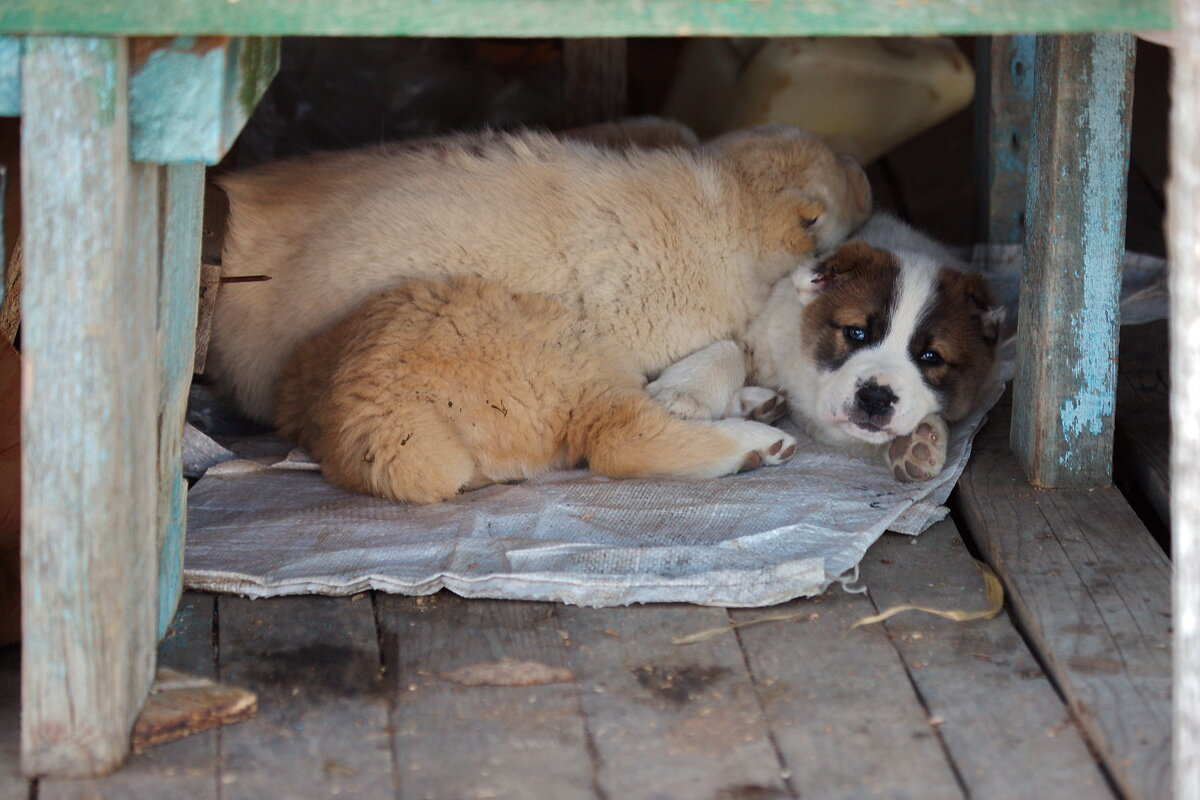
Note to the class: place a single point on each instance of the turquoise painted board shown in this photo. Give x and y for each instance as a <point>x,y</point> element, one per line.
<point>1064,390</point>
<point>89,415</point>
<point>577,17</point>
<point>178,290</point>
<point>189,97</point>
<point>10,76</point>
<point>1004,112</point>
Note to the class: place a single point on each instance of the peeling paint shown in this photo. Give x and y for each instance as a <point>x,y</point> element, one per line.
<point>1104,169</point>
<point>191,96</point>
<point>1021,70</point>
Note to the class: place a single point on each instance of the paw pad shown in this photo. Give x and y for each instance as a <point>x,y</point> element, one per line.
<point>920,455</point>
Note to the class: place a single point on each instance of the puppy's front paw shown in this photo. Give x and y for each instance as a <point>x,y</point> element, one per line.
<point>678,403</point>
<point>761,445</point>
<point>922,454</point>
<point>756,403</point>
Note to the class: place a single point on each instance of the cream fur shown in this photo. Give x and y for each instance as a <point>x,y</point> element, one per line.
<point>663,251</point>
<point>443,385</point>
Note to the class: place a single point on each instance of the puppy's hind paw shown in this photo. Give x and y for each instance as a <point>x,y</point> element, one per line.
<point>756,403</point>
<point>762,445</point>
<point>922,454</point>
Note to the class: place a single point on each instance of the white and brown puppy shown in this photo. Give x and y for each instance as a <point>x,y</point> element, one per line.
<point>877,346</point>
<point>663,250</point>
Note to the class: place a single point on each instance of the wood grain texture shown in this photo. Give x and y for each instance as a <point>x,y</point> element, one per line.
<point>13,785</point>
<point>180,770</point>
<point>666,720</point>
<point>995,706</point>
<point>1004,112</point>
<point>1143,436</point>
<point>10,494</point>
<point>841,709</point>
<point>578,17</point>
<point>1183,226</point>
<point>179,287</point>
<point>595,80</point>
<point>1092,590</point>
<point>322,724</point>
<point>454,740</point>
<point>1074,246</point>
<point>89,410</point>
<point>189,96</point>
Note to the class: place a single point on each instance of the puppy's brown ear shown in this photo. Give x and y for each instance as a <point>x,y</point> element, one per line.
<point>979,295</point>
<point>841,265</point>
<point>791,220</point>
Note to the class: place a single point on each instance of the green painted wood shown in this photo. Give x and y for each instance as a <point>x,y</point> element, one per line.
<point>179,288</point>
<point>10,76</point>
<point>88,410</point>
<point>577,17</point>
<point>189,97</point>
<point>1062,427</point>
<point>1004,112</point>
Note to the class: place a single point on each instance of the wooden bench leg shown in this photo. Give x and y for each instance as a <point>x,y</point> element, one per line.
<point>89,410</point>
<point>1063,400</point>
<point>594,81</point>
<point>1183,203</point>
<point>179,286</point>
<point>1003,114</point>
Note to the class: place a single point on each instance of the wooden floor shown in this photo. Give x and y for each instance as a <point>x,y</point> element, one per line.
<point>1064,695</point>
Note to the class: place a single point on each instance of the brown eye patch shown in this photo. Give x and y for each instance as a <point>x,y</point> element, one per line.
<point>954,329</point>
<point>858,289</point>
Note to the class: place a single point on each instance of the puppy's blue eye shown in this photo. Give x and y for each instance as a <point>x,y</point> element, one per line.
<point>855,335</point>
<point>930,358</point>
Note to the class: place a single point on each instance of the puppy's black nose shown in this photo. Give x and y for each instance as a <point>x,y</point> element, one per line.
<point>874,399</point>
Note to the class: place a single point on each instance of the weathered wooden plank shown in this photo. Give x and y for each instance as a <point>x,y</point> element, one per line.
<point>10,494</point>
<point>1143,435</point>
<point>842,711</point>
<point>1003,113</point>
<point>994,705</point>
<point>10,76</point>
<point>668,721</point>
<point>595,80</point>
<point>179,287</point>
<point>453,739</point>
<point>181,770</point>
<point>13,785</point>
<point>1183,204</point>
<point>578,17</point>
<point>189,97</point>
<point>1074,246</point>
<point>1091,588</point>
<point>322,726</point>
<point>88,345</point>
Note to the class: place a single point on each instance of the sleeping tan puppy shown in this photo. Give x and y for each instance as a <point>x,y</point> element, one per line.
<point>662,251</point>
<point>443,385</point>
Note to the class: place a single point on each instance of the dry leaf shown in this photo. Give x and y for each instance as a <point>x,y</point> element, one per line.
<point>995,599</point>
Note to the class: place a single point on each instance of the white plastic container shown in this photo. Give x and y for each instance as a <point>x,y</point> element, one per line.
<point>864,96</point>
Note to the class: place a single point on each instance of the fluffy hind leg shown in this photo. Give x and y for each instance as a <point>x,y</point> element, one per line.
<point>631,436</point>
<point>407,452</point>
